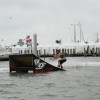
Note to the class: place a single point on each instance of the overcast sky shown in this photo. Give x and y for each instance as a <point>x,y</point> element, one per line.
<point>49,19</point>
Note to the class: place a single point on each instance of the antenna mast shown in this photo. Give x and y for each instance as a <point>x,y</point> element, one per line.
<point>81,34</point>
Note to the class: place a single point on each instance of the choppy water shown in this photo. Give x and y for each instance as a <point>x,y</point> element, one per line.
<point>80,81</point>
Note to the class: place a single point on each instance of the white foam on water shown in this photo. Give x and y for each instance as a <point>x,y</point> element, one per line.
<point>4,69</point>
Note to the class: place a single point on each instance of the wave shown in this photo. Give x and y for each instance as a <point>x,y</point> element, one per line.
<point>4,69</point>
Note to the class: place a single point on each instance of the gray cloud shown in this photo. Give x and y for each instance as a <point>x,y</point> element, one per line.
<point>50,19</point>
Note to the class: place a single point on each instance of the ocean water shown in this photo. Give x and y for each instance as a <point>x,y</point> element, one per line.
<point>80,81</point>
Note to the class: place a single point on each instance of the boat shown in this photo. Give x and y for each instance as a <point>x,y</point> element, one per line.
<point>30,62</point>
<point>4,54</point>
<point>4,57</point>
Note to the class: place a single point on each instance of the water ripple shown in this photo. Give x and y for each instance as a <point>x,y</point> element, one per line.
<point>48,95</point>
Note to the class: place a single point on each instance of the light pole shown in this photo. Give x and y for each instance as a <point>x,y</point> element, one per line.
<point>74,32</point>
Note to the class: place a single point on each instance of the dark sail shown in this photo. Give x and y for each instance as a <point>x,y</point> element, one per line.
<point>27,62</point>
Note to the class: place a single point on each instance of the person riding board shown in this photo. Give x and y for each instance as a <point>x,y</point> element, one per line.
<point>61,60</point>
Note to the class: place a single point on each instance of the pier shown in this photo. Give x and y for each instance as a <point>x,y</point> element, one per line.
<point>67,50</point>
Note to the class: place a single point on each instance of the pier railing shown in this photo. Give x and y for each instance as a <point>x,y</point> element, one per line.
<point>67,52</point>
